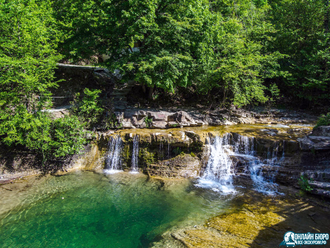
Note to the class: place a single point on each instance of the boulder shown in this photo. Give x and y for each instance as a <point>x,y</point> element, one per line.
<point>137,122</point>
<point>126,123</point>
<point>158,116</point>
<point>159,124</point>
<point>181,117</point>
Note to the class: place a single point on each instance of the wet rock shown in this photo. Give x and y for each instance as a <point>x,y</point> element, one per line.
<point>192,135</point>
<point>270,132</point>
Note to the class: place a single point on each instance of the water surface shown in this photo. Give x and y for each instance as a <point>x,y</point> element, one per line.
<point>86,209</point>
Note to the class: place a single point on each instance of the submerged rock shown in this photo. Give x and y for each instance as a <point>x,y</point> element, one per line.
<point>257,223</point>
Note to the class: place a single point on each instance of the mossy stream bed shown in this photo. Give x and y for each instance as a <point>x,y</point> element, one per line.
<point>89,209</point>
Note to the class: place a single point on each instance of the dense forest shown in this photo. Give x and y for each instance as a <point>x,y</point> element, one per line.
<point>247,51</point>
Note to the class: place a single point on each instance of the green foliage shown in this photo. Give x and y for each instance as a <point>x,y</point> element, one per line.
<point>27,61</point>
<point>206,45</point>
<point>27,55</point>
<point>146,156</point>
<point>148,121</point>
<point>111,121</point>
<point>39,133</point>
<point>324,120</point>
<point>88,107</point>
<point>192,154</point>
<point>304,183</point>
<point>303,36</point>
<point>68,136</point>
<point>247,49</point>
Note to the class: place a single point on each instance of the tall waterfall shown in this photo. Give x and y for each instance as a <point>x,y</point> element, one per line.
<point>113,159</point>
<point>135,155</point>
<point>218,173</point>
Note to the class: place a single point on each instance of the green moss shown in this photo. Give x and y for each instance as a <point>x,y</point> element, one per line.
<point>176,151</point>
<point>197,146</point>
<point>126,152</point>
<point>146,157</point>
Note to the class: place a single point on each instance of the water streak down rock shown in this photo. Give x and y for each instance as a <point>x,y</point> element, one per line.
<point>113,159</point>
<point>135,154</point>
<point>244,148</point>
<point>219,171</point>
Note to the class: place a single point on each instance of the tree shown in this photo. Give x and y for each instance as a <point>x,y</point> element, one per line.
<point>167,44</point>
<point>28,58</point>
<point>302,35</point>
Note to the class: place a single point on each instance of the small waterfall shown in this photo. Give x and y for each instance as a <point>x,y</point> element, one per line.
<point>219,170</point>
<point>218,174</point>
<point>245,148</point>
<point>135,155</point>
<point>113,159</point>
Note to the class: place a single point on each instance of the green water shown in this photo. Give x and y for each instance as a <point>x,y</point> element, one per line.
<point>86,209</point>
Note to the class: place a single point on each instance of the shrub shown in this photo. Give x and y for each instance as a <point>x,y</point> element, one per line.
<point>304,184</point>
<point>324,120</point>
<point>148,121</point>
<point>68,136</point>
<point>39,133</point>
<point>88,107</point>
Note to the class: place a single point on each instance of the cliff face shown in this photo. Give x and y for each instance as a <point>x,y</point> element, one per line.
<point>278,153</point>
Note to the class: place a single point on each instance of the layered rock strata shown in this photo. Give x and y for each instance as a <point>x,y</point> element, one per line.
<point>149,118</point>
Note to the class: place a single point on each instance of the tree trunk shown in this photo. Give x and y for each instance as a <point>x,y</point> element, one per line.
<point>150,92</point>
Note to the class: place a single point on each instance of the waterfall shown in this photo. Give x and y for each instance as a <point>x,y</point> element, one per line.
<point>113,159</point>
<point>245,148</point>
<point>135,155</point>
<point>218,173</point>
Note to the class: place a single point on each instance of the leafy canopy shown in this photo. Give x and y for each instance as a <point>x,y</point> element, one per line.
<point>28,58</point>
<point>167,44</point>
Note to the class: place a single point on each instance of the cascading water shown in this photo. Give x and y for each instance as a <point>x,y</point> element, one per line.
<point>135,155</point>
<point>245,148</point>
<point>218,174</point>
<point>219,170</point>
<point>113,159</point>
